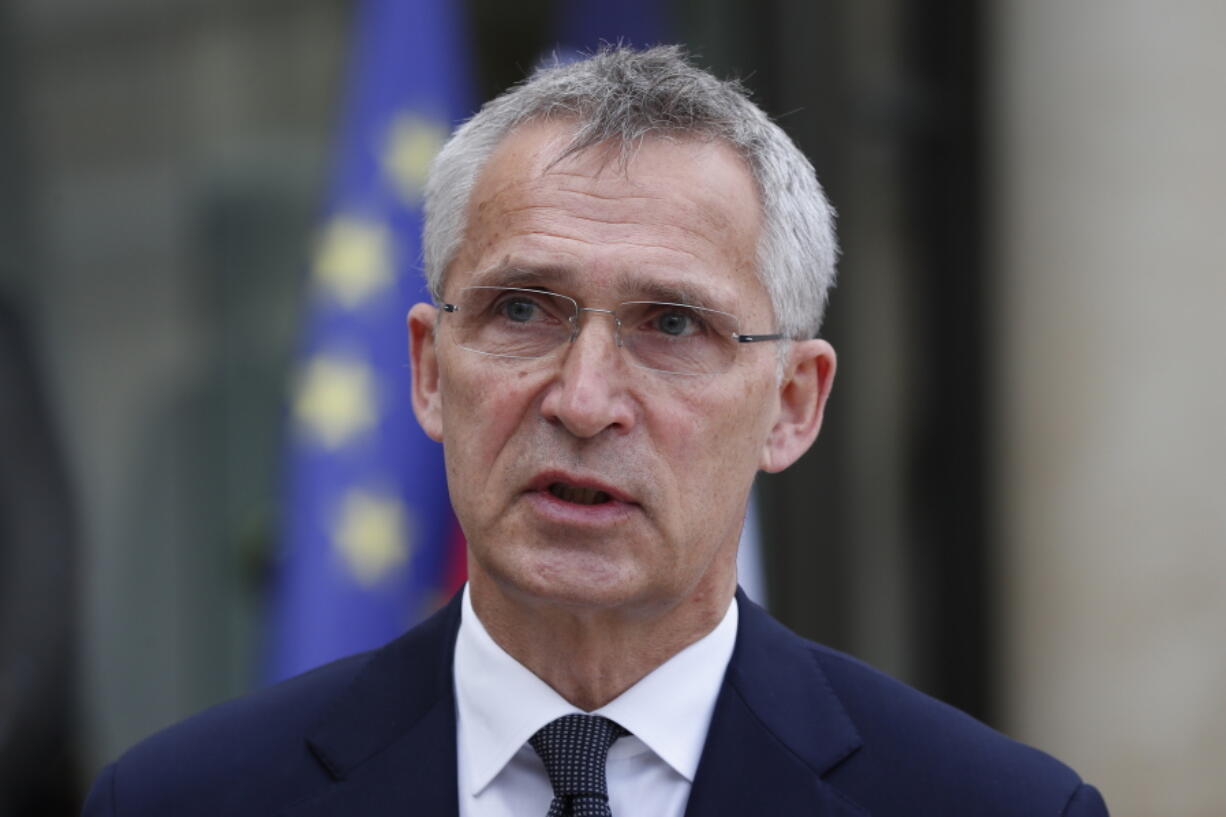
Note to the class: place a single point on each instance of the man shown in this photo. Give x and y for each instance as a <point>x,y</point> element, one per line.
<point>629,263</point>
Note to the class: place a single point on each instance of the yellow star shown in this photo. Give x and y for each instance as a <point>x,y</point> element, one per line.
<point>354,259</point>
<point>410,146</point>
<point>372,535</point>
<point>335,399</point>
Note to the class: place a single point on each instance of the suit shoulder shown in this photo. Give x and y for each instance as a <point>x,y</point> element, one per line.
<point>261,753</point>
<point>259,736</point>
<point>935,754</point>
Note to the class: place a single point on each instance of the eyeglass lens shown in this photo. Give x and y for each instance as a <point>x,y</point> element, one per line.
<point>524,323</point>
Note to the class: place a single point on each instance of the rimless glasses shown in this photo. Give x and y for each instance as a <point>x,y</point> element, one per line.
<point>526,324</point>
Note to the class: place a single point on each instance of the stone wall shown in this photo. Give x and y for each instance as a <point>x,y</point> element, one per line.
<point>1109,179</point>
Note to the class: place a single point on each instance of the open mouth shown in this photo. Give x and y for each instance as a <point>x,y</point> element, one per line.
<point>578,495</point>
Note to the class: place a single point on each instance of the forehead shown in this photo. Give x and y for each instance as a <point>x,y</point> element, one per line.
<point>679,215</point>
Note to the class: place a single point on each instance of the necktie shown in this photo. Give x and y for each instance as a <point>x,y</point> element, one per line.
<point>574,749</point>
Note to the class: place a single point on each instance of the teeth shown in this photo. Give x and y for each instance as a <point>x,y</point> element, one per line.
<point>580,496</point>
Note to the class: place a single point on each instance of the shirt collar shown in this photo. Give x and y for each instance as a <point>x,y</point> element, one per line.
<point>500,703</point>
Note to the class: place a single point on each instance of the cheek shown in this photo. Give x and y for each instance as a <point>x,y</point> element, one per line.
<point>475,434</point>
<point>482,408</point>
<point>715,443</point>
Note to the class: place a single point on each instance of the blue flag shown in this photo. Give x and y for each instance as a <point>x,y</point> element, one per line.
<point>369,543</point>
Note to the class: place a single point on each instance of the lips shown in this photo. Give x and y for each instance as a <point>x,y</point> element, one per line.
<point>577,502</point>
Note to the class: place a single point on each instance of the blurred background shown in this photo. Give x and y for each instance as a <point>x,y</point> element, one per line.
<point>1016,503</point>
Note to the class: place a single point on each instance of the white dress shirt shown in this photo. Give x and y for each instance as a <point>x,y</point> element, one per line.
<point>500,704</point>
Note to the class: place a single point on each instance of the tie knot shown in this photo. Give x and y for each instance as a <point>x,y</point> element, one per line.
<point>574,749</point>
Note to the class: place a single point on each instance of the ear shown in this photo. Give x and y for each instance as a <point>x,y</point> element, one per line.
<point>424,360</point>
<point>803,392</point>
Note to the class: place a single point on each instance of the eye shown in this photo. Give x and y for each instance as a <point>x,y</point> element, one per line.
<point>519,309</point>
<point>676,322</point>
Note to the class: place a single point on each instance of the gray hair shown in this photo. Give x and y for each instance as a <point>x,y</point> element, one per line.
<point>622,96</point>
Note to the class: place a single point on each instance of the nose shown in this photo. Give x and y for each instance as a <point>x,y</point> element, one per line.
<point>590,394</point>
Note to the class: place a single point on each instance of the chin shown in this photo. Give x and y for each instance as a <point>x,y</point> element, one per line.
<point>576,580</point>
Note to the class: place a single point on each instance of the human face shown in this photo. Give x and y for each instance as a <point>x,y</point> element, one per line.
<point>670,458</point>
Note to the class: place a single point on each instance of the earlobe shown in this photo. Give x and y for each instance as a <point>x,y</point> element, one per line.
<point>803,392</point>
<point>423,358</point>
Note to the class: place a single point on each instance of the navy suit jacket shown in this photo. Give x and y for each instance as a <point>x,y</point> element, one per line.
<point>798,729</point>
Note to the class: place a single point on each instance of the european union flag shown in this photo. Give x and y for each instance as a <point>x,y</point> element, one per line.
<point>369,541</point>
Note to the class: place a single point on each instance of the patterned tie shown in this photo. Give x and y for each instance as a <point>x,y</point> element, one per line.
<point>574,749</point>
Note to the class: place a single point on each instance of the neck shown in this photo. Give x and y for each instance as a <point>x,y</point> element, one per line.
<point>587,656</point>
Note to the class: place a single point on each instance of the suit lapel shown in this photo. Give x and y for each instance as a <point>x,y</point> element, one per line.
<point>777,728</point>
<point>388,742</point>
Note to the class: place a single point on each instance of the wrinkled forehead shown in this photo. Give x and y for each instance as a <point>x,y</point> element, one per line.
<point>692,196</point>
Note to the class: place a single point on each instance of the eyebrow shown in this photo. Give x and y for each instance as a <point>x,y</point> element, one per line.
<point>515,275</point>
<point>674,293</point>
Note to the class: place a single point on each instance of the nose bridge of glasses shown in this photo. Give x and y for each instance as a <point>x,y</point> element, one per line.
<point>617,323</point>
